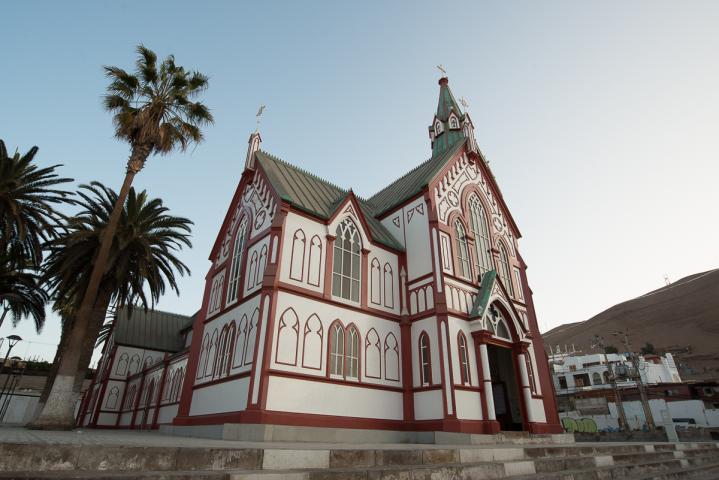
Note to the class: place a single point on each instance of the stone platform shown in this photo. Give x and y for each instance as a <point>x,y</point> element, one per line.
<point>113,454</point>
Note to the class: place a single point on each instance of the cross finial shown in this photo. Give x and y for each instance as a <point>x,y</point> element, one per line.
<point>259,114</point>
<point>464,103</point>
<point>440,67</point>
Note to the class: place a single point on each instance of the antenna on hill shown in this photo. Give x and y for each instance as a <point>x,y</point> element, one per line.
<point>667,282</point>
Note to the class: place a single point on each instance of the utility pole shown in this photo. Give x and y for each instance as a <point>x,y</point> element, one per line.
<point>598,341</point>
<point>637,376</point>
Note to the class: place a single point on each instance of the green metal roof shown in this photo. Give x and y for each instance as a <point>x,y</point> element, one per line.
<point>151,329</point>
<point>446,105</point>
<point>312,194</point>
<point>485,289</point>
<point>412,182</point>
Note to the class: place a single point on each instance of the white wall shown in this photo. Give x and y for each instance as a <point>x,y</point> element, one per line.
<point>322,398</point>
<point>219,398</point>
<point>410,226</point>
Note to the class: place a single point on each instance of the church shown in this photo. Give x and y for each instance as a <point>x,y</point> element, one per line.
<point>409,311</point>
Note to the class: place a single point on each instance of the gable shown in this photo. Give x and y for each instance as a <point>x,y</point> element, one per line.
<point>253,199</point>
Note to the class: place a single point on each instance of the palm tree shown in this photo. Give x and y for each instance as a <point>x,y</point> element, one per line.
<point>142,265</point>
<point>28,197</point>
<point>153,110</point>
<point>20,292</point>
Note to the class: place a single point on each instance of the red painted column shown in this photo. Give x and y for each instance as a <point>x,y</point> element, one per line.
<point>327,293</point>
<point>160,391</point>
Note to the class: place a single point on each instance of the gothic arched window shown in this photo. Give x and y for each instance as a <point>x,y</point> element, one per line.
<point>346,263</point>
<point>462,250</point>
<point>596,379</point>
<point>353,349</point>
<point>425,359</point>
<point>237,251</point>
<point>463,359</point>
<point>337,350</point>
<point>480,231</point>
<point>504,269</point>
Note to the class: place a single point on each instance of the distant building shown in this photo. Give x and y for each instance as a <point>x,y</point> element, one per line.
<point>572,372</point>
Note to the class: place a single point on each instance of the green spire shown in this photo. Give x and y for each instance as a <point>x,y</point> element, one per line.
<point>448,133</point>
<point>447,103</point>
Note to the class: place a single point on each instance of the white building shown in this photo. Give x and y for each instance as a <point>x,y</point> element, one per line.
<point>572,372</point>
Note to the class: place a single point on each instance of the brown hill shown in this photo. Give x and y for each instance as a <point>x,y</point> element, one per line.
<point>681,318</point>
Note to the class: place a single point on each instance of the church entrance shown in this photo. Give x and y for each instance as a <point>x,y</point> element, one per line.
<point>505,387</point>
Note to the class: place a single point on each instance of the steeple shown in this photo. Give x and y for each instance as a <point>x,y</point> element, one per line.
<point>449,124</point>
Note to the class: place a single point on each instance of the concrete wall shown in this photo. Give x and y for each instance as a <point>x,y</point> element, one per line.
<point>20,409</point>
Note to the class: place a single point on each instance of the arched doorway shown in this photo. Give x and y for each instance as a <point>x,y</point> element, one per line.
<point>506,383</point>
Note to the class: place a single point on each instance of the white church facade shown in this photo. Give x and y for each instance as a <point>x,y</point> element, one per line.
<point>322,309</point>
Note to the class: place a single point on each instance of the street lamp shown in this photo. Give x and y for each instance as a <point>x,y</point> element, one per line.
<point>12,341</point>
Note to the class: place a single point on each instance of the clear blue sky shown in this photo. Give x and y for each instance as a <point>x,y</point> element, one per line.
<point>600,119</point>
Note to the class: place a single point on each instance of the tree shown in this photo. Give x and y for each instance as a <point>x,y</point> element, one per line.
<point>28,197</point>
<point>610,349</point>
<point>142,262</point>
<point>153,110</point>
<point>647,349</point>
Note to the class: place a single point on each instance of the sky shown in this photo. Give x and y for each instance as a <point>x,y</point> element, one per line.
<point>600,119</point>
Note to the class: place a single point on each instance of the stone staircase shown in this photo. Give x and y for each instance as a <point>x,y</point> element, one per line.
<point>395,462</point>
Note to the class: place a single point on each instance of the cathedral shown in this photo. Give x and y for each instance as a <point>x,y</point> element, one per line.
<point>409,311</point>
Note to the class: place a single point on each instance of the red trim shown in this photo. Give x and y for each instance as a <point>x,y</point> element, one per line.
<point>335,381</point>
<point>292,255</point>
<point>279,335</point>
<point>396,351</point>
<point>378,345</point>
<point>228,378</point>
<point>319,262</point>
<point>424,381</point>
<point>467,388</point>
<point>303,292</point>
<point>308,330</point>
<point>465,377</point>
<point>406,366</point>
<point>160,390</point>
<point>242,301</point>
<point>329,260</point>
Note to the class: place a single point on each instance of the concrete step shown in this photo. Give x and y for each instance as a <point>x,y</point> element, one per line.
<point>514,470</point>
<point>614,460</point>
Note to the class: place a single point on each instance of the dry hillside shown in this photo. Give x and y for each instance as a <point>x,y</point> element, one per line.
<point>681,318</point>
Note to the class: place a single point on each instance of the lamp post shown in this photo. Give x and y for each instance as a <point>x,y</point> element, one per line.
<point>12,341</point>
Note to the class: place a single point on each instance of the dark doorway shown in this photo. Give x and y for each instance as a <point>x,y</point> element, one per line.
<point>506,392</point>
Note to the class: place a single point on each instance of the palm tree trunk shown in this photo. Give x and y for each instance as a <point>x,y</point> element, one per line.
<point>58,413</point>
<point>4,313</point>
<point>53,370</point>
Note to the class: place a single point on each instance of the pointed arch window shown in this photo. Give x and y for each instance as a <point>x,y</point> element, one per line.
<point>353,346</point>
<point>504,269</point>
<point>453,123</point>
<point>463,359</point>
<point>425,360</point>
<point>337,350</point>
<point>237,252</point>
<point>344,351</point>
<point>346,263</point>
<point>462,250</point>
<point>480,231</point>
